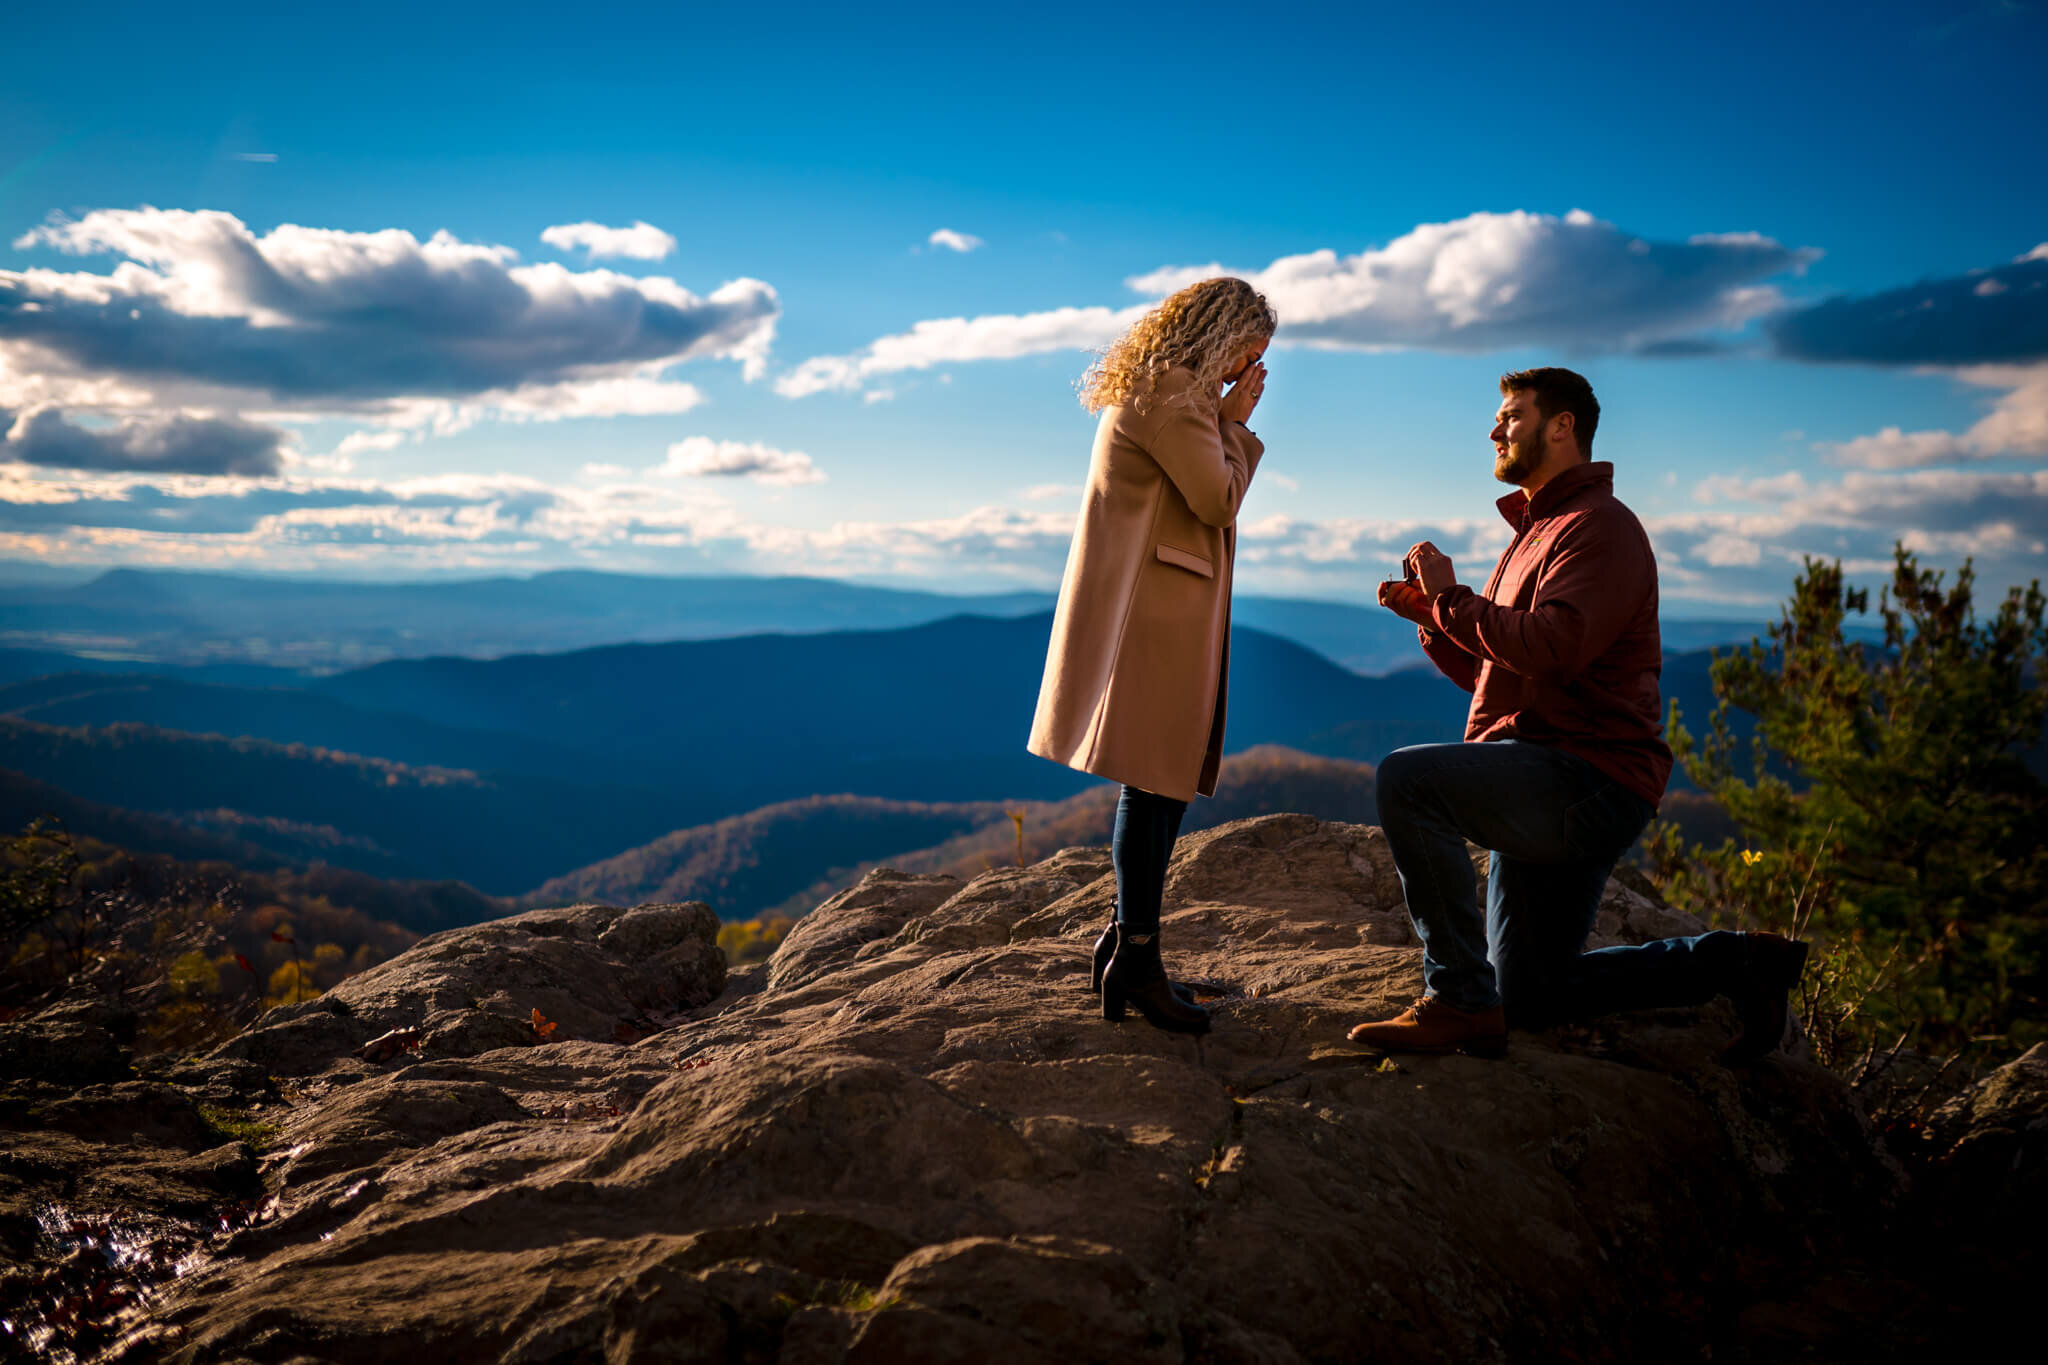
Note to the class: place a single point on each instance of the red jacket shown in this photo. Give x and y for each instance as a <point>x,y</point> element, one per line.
<point>1562,648</point>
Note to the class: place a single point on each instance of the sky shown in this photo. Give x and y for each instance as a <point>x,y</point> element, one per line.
<point>476,290</point>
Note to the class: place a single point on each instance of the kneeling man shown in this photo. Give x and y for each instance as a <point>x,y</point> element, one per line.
<point>1563,764</point>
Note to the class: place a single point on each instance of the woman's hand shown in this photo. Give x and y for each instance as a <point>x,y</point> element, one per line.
<point>1236,405</point>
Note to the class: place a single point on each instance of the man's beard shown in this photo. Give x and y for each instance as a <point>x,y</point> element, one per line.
<point>1522,459</point>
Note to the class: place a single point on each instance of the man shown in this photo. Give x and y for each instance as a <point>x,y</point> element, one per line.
<point>1563,764</point>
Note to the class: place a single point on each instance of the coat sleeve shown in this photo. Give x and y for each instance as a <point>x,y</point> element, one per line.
<point>1210,462</point>
<point>1452,659</point>
<point>1588,593</point>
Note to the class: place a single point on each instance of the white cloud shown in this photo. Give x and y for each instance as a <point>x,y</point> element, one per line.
<point>640,242</point>
<point>205,311</point>
<point>962,242</point>
<point>1046,492</point>
<point>1483,282</point>
<point>1724,549</point>
<point>940,341</point>
<point>702,457</point>
<point>357,441</point>
<point>1492,280</point>
<point>1777,488</point>
<point>2016,425</point>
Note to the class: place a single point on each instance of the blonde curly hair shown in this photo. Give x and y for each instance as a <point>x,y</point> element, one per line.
<point>1205,328</point>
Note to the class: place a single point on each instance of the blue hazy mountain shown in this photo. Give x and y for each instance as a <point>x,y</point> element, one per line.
<point>507,772</point>
<point>248,630</point>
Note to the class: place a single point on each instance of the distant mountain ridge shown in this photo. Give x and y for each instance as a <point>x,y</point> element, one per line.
<point>247,630</point>
<point>506,773</point>
<point>786,858</point>
<point>747,863</point>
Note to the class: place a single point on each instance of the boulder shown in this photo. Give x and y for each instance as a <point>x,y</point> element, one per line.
<point>915,1139</point>
<point>62,1051</point>
<point>591,972</point>
<point>1991,1145</point>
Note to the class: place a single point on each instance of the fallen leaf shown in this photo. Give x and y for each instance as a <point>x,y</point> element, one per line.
<point>386,1046</point>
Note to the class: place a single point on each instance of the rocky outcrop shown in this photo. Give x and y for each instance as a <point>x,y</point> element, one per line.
<point>110,1177</point>
<point>1990,1146</point>
<point>588,972</point>
<point>910,1137</point>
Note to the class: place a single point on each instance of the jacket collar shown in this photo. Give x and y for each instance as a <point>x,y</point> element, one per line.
<point>1518,508</point>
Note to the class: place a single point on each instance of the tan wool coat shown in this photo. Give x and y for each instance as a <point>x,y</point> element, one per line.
<point>1138,671</point>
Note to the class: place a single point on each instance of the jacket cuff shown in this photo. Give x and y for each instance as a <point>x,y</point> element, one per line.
<point>1443,608</point>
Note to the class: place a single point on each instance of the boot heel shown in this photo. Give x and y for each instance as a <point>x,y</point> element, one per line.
<point>1112,1004</point>
<point>1104,948</point>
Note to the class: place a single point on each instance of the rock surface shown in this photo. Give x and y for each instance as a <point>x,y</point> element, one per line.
<point>1991,1145</point>
<point>910,1137</point>
<point>109,1178</point>
<point>590,971</point>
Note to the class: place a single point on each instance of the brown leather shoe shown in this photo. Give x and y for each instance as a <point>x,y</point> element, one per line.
<point>1435,1025</point>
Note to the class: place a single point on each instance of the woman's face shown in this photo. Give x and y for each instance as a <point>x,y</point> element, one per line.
<point>1246,361</point>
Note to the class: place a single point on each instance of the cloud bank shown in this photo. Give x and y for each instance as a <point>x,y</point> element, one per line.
<point>1483,282</point>
<point>962,242</point>
<point>1495,280</point>
<point>1986,317</point>
<point>310,318</point>
<point>2016,426</point>
<point>172,443</point>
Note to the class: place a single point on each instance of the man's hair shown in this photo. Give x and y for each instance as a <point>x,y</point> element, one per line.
<point>1558,391</point>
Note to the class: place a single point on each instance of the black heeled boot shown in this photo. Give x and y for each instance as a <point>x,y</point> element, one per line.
<point>1105,949</point>
<point>1136,976</point>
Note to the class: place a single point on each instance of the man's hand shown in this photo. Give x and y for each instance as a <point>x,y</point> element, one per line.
<point>1406,601</point>
<point>1431,569</point>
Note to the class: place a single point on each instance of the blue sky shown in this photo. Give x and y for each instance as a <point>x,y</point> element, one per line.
<point>1791,249</point>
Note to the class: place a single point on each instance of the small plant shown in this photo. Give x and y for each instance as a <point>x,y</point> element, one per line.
<point>1017,819</point>
<point>754,939</point>
<point>849,1296</point>
<point>233,1126</point>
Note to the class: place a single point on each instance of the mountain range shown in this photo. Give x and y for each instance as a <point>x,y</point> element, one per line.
<point>506,772</point>
<point>527,775</point>
<point>245,629</point>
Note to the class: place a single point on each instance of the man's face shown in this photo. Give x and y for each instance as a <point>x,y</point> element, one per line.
<point>1518,445</point>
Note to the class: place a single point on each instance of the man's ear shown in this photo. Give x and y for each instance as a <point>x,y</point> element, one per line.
<point>1564,426</point>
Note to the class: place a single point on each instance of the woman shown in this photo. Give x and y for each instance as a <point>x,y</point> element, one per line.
<point>1136,676</point>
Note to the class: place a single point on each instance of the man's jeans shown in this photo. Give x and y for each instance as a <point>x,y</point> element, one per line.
<point>1556,826</point>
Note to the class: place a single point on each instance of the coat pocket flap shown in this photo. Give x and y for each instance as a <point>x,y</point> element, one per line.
<point>1187,559</point>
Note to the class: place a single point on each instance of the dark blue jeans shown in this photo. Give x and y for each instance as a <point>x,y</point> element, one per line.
<point>1146,826</point>
<point>1556,825</point>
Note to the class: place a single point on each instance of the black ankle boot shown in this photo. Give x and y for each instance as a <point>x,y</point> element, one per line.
<point>1771,967</point>
<point>1105,949</point>
<point>1136,976</point>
